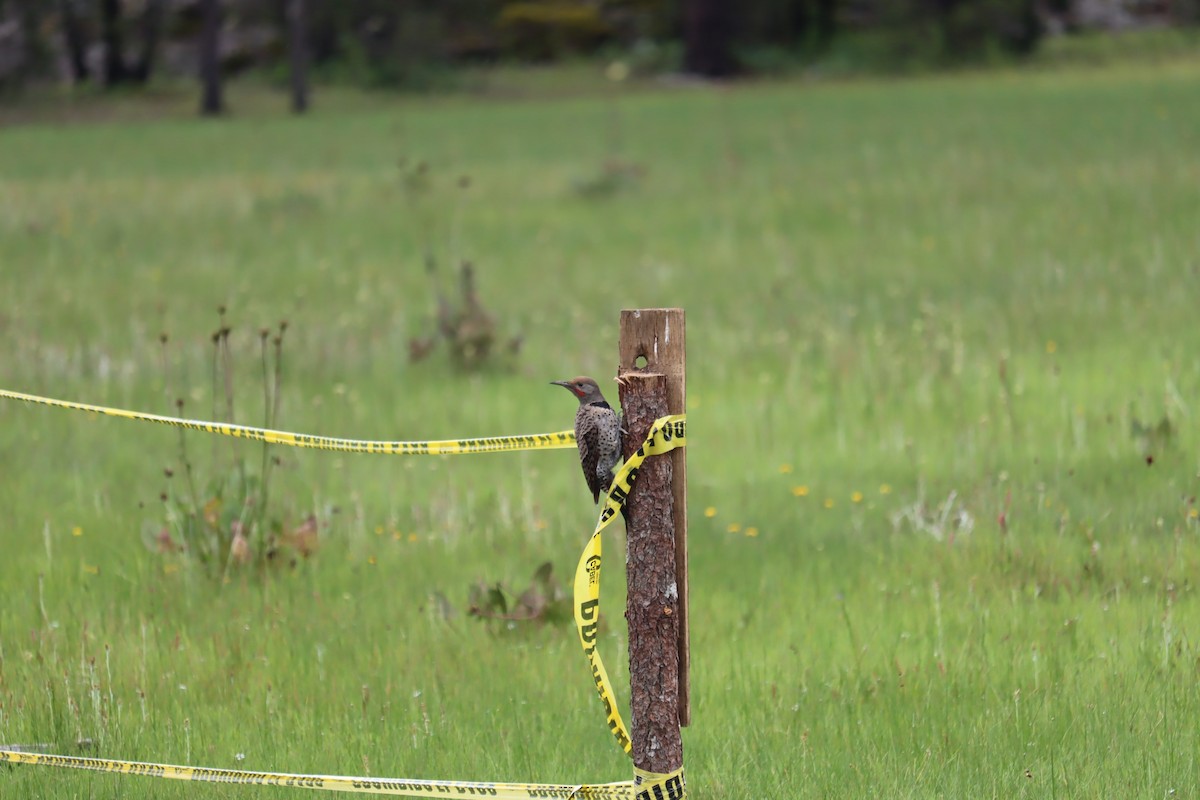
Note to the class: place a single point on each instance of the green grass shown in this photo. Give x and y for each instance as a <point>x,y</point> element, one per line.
<point>912,306</point>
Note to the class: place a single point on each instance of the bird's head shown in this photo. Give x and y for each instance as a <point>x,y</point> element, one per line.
<point>584,388</point>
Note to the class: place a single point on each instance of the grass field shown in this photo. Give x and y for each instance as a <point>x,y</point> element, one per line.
<point>934,553</point>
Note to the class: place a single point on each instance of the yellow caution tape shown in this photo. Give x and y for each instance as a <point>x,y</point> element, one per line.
<point>402,787</point>
<point>644,786</point>
<point>658,786</point>
<point>665,435</point>
<point>488,444</point>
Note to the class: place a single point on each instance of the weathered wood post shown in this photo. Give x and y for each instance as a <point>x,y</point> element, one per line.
<point>652,374</point>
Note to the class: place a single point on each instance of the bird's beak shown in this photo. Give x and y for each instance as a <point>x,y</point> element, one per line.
<point>564,384</point>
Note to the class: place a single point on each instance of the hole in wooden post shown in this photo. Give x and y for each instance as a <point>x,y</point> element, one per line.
<point>640,362</point>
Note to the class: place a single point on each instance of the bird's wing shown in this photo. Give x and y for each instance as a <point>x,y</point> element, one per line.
<point>586,437</point>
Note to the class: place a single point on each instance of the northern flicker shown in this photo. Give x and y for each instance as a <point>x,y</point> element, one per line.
<point>597,434</point>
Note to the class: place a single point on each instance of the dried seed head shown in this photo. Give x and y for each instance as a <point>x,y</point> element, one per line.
<point>162,337</point>
<point>163,497</point>
<point>263,333</point>
<point>179,403</point>
<point>283,325</point>
<point>169,472</point>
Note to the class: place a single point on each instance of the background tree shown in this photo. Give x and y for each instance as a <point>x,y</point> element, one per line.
<point>824,22</point>
<point>152,17</point>
<point>115,71</point>
<point>708,29</point>
<point>74,41</point>
<point>26,53</point>
<point>298,48</point>
<point>794,25</point>
<point>211,101</point>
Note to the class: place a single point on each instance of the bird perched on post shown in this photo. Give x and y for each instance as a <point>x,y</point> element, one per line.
<point>597,435</point>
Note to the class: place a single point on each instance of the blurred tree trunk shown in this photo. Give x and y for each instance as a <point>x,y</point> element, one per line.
<point>211,103</point>
<point>943,14</point>
<point>34,53</point>
<point>826,22</point>
<point>298,45</point>
<point>708,38</point>
<point>151,26</point>
<point>73,39</point>
<point>115,71</point>
<point>327,31</point>
<point>797,22</point>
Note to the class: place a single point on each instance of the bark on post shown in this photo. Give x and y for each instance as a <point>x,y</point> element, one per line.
<point>652,607</point>
<point>654,340</point>
<point>652,369</point>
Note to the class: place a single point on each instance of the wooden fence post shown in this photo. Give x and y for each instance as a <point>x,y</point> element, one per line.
<point>652,373</point>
